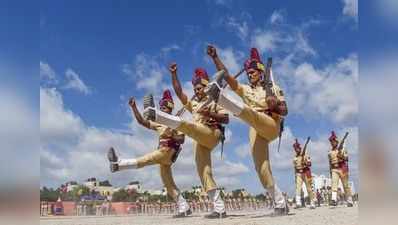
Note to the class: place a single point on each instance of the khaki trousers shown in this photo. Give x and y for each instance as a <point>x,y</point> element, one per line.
<point>300,178</point>
<point>205,140</point>
<point>263,129</point>
<point>339,174</point>
<point>162,157</point>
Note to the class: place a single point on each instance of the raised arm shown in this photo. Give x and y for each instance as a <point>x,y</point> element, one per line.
<point>138,115</point>
<point>212,52</point>
<point>177,85</point>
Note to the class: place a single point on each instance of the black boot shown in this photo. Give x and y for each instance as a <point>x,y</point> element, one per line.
<point>112,157</point>
<point>216,215</point>
<point>333,203</point>
<point>213,89</point>
<point>149,114</point>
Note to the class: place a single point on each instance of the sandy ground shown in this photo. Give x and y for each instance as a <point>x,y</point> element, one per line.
<point>321,216</point>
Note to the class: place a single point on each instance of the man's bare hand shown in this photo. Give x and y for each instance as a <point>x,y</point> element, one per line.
<point>173,68</point>
<point>211,51</point>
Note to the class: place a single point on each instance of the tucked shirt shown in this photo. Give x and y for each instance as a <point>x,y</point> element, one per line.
<point>195,104</point>
<point>336,157</point>
<point>254,96</point>
<point>301,162</point>
<point>165,133</point>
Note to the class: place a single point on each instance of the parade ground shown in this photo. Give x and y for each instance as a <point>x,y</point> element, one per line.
<point>321,216</point>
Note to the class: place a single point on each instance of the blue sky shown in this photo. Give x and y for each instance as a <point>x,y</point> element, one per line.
<point>94,55</point>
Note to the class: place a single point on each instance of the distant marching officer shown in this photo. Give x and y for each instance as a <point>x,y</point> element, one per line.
<point>302,168</point>
<point>338,160</point>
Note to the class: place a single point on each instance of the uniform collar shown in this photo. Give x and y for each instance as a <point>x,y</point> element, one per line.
<point>202,99</point>
<point>255,86</point>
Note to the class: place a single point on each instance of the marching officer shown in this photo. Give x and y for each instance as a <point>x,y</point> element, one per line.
<point>165,155</point>
<point>206,130</point>
<point>338,161</point>
<point>261,112</point>
<point>302,167</point>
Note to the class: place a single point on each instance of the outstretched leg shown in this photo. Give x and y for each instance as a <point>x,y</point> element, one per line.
<point>155,157</point>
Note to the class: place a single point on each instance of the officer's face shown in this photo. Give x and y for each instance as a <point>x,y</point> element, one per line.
<point>253,75</point>
<point>199,90</point>
<point>165,109</point>
<point>334,143</point>
<point>297,150</point>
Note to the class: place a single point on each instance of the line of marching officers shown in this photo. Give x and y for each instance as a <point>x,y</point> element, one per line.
<point>261,111</point>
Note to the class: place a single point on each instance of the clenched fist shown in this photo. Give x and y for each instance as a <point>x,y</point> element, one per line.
<point>272,103</point>
<point>173,68</point>
<point>132,102</point>
<point>211,51</point>
<point>204,111</point>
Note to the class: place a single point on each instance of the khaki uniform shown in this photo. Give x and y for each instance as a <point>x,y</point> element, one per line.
<point>303,174</point>
<point>263,127</point>
<point>206,133</point>
<point>162,156</point>
<point>339,170</point>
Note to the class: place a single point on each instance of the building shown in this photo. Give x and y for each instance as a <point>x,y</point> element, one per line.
<point>134,185</point>
<point>71,185</point>
<point>104,188</point>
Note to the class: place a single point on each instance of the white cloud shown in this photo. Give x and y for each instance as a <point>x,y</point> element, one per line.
<point>302,44</point>
<point>56,123</point>
<point>331,91</point>
<point>47,73</point>
<point>350,8</point>
<point>276,17</point>
<point>146,72</point>
<point>242,150</point>
<point>222,2</point>
<point>231,58</point>
<point>74,82</point>
<point>265,41</point>
<point>241,28</point>
<point>167,49</point>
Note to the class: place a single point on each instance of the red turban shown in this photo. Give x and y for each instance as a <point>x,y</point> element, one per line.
<point>167,100</point>
<point>200,77</point>
<point>254,62</point>
<point>333,137</point>
<point>296,145</point>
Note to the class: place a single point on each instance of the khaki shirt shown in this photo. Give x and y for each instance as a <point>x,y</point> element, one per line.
<point>301,162</point>
<point>194,105</point>
<point>254,96</point>
<point>335,158</point>
<point>165,133</point>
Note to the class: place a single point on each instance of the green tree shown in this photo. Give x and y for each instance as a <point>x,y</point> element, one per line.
<point>77,192</point>
<point>49,194</point>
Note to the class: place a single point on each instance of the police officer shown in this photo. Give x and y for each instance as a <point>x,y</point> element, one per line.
<point>170,142</point>
<point>261,112</point>
<point>206,130</point>
<point>338,161</point>
<point>302,168</point>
